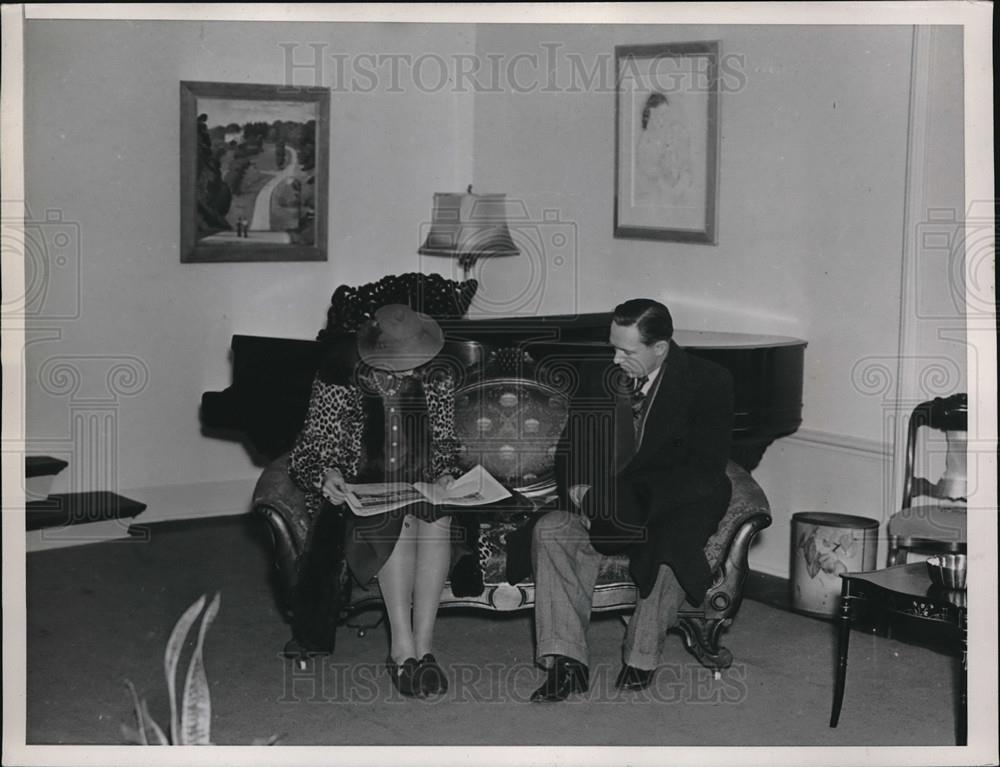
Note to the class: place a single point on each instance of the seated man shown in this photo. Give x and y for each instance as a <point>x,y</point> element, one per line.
<point>653,486</point>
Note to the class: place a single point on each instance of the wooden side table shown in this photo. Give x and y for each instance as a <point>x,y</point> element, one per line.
<point>903,590</point>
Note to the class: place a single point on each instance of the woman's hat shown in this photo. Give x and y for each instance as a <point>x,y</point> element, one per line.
<point>398,338</point>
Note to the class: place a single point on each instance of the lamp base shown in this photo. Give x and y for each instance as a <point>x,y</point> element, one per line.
<point>466,261</point>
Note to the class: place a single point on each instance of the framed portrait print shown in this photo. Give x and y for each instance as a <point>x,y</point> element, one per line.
<point>667,141</point>
<point>254,165</point>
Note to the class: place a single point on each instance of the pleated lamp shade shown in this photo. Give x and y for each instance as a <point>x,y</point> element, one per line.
<point>469,226</point>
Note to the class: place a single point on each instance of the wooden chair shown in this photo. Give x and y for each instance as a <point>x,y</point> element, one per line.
<point>932,517</point>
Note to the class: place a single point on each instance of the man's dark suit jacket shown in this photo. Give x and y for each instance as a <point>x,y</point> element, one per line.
<point>662,504</point>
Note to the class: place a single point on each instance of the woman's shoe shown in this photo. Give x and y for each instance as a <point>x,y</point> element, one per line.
<point>430,676</point>
<point>404,677</point>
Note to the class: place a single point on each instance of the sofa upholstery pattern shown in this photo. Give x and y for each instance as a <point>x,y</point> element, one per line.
<point>510,425</point>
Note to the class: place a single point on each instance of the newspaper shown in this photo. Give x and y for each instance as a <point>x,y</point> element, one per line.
<point>477,487</point>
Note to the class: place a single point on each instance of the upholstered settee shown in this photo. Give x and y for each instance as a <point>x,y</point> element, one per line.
<point>509,414</point>
<point>281,503</point>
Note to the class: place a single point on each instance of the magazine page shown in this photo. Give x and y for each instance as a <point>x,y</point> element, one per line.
<point>380,497</point>
<point>477,487</point>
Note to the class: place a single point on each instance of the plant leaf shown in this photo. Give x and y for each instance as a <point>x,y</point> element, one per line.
<point>171,658</point>
<point>266,741</point>
<point>136,736</point>
<point>153,727</point>
<point>196,710</point>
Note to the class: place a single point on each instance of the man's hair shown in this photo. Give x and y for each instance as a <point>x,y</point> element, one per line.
<point>651,317</point>
<point>654,100</point>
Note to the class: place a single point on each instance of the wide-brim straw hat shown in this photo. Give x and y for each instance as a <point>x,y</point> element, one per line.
<point>398,338</point>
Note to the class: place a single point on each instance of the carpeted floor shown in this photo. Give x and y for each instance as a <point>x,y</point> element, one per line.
<point>99,614</point>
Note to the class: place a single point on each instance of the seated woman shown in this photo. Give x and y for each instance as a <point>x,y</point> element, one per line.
<point>384,416</point>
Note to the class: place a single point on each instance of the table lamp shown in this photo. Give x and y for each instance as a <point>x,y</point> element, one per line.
<point>469,226</point>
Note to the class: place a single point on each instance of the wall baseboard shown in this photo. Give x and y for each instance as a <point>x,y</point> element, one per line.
<point>195,501</point>
<point>813,470</point>
<point>772,590</point>
<point>167,503</point>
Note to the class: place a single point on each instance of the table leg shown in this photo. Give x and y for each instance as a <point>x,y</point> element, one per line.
<point>961,736</point>
<point>843,640</point>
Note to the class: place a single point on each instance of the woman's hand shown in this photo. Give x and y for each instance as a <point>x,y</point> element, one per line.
<point>444,481</point>
<point>334,488</point>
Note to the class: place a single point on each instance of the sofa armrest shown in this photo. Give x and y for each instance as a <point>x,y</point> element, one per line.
<point>283,506</point>
<point>280,498</point>
<point>728,549</point>
<point>747,501</point>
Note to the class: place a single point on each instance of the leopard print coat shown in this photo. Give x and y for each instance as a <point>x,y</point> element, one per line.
<point>331,437</point>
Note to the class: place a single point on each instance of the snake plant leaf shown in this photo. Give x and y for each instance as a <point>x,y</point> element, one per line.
<point>266,741</point>
<point>135,736</point>
<point>171,658</point>
<point>196,710</point>
<point>153,727</point>
<point>147,726</point>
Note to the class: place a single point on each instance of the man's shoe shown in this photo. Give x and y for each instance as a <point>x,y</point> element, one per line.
<point>565,677</point>
<point>301,654</point>
<point>631,678</point>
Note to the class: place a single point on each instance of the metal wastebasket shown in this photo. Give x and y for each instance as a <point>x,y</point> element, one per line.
<point>825,545</point>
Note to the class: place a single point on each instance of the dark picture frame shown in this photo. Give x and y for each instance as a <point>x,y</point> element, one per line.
<point>667,142</point>
<point>254,172</point>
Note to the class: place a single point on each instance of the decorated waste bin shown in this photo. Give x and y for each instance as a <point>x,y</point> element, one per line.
<point>824,545</point>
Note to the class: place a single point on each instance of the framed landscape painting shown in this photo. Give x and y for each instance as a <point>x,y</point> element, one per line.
<point>667,141</point>
<point>254,164</point>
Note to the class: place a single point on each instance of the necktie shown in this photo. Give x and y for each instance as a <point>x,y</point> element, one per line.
<point>638,401</point>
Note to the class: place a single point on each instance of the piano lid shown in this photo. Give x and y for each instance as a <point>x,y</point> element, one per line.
<point>710,339</point>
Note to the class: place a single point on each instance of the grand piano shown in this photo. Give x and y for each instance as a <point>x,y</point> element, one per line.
<point>266,404</point>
